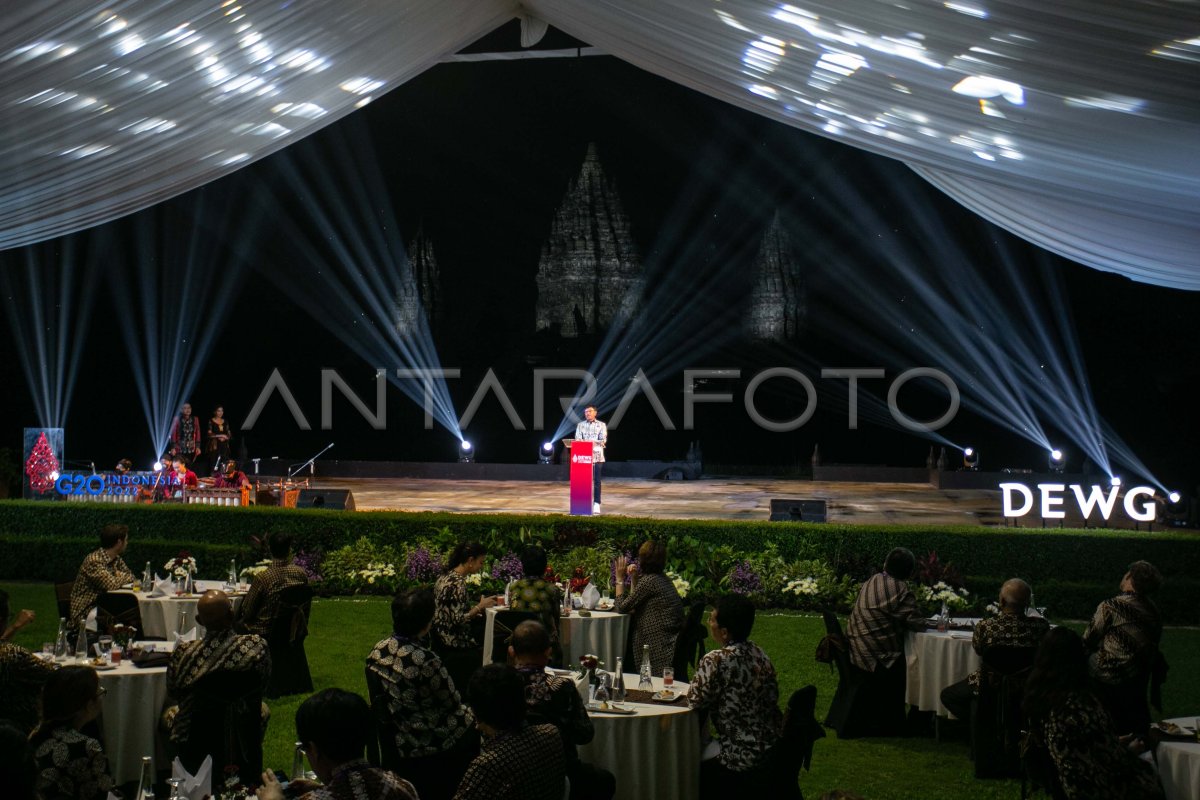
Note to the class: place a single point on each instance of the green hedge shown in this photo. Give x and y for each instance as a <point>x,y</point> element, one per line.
<point>1070,569</point>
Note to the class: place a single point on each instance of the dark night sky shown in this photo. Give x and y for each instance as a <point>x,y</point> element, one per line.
<point>481,155</point>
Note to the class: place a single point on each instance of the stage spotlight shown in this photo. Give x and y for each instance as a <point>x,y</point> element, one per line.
<point>1058,461</point>
<point>546,453</point>
<point>54,475</point>
<point>466,453</point>
<point>971,459</point>
<point>158,466</point>
<point>1174,497</point>
<point>1116,480</point>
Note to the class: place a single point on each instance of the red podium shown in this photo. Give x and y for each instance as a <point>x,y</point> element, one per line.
<point>581,476</point>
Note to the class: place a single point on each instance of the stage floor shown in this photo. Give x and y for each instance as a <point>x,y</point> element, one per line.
<point>707,498</point>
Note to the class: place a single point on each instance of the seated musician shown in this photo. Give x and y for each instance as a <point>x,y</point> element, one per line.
<point>231,477</point>
<point>184,477</point>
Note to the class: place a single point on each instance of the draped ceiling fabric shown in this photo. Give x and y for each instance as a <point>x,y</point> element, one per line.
<point>1072,123</point>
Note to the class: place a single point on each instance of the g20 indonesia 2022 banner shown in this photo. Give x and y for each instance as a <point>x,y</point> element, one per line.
<point>1138,502</point>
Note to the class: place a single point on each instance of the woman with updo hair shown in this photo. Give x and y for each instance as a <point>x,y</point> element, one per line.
<point>70,764</point>
<point>457,620</point>
<point>652,601</point>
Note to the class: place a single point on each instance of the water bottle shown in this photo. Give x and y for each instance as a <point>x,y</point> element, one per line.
<point>81,645</point>
<point>618,690</point>
<point>60,642</point>
<point>145,790</point>
<point>189,585</point>
<point>645,679</point>
<point>943,621</point>
<point>183,624</point>
<point>147,578</point>
<point>298,763</point>
<point>508,594</point>
<point>233,576</point>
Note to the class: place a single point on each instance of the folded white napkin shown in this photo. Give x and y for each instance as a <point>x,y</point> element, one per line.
<point>194,788</point>
<point>91,620</point>
<point>591,596</point>
<point>162,587</point>
<point>112,796</point>
<point>189,636</point>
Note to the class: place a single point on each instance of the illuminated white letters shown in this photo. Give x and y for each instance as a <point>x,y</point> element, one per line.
<point>1148,508</point>
<point>1008,489</point>
<point>1049,501</point>
<point>1088,499</point>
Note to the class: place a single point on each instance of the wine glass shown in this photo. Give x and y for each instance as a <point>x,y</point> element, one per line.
<point>174,784</point>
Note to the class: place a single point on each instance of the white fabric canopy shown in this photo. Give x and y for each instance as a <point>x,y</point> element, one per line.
<point>1072,123</point>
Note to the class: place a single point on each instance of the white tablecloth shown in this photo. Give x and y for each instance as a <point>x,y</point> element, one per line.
<point>161,615</point>
<point>602,634</point>
<point>1179,765</point>
<point>655,754</point>
<point>936,660</point>
<point>131,709</point>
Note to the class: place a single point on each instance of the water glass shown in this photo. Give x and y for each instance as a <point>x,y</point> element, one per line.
<point>668,678</point>
<point>104,646</point>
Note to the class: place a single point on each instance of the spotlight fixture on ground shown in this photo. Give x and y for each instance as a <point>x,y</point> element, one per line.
<point>1057,460</point>
<point>546,453</point>
<point>158,466</point>
<point>1116,480</point>
<point>971,459</point>
<point>466,453</point>
<point>1174,497</point>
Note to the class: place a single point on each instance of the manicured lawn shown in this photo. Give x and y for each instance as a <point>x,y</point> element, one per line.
<point>343,631</point>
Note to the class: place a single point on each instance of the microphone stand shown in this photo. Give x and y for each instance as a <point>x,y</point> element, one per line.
<point>309,462</point>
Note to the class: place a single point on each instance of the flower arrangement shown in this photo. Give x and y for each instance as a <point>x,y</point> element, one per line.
<point>992,609</point>
<point>422,565</point>
<point>579,581</point>
<point>588,664</point>
<point>232,788</point>
<point>122,635</point>
<point>803,587</point>
<point>743,579</point>
<point>475,579</point>
<point>508,568</point>
<point>377,570</point>
<point>180,565</point>
<point>681,586</point>
<point>942,592</point>
<point>248,574</point>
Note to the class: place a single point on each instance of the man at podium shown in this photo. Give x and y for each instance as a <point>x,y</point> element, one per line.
<point>593,430</point>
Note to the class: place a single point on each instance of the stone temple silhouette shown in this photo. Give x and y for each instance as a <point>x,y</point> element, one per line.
<point>589,275</point>
<point>420,291</point>
<point>779,298</point>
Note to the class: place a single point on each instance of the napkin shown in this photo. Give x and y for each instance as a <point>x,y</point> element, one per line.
<point>189,636</point>
<point>91,621</point>
<point>194,788</point>
<point>112,796</point>
<point>162,587</point>
<point>591,596</point>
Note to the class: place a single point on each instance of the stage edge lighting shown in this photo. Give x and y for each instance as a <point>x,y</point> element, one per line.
<point>1057,460</point>
<point>546,453</point>
<point>1174,497</point>
<point>971,459</point>
<point>466,453</point>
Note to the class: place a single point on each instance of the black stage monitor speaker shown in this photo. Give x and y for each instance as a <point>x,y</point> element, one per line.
<point>783,510</point>
<point>333,499</point>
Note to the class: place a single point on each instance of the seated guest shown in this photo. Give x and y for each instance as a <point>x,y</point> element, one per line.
<point>333,726</point>
<point>457,622</point>
<point>556,700</point>
<point>21,677</point>
<point>1012,627</point>
<point>735,687</point>
<point>653,603</point>
<point>534,593</point>
<point>262,601</point>
<point>882,612</point>
<point>18,772</point>
<point>231,477</point>
<point>70,764</point>
<point>222,650</point>
<point>1122,644</point>
<point>433,734</point>
<point>102,571</point>
<point>518,761</point>
<point>1075,730</point>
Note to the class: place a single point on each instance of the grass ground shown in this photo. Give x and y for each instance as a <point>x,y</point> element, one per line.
<point>343,631</point>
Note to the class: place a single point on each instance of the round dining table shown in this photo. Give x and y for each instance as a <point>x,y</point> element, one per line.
<point>601,634</point>
<point>1179,763</point>
<point>132,703</point>
<point>935,660</point>
<point>654,753</point>
<point>164,615</point>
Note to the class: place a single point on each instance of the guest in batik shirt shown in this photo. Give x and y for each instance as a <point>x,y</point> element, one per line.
<point>518,761</point>
<point>883,611</point>
<point>1070,723</point>
<point>534,593</point>
<point>333,726</point>
<point>433,729</point>
<point>457,621</point>
<point>1012,627</point>
<point>1122,642</point>
<point>221,650</point>
<point>652,601</point>
<point>735,687</point>
<point>71,765</point>
<point>21,677</point>
<point>259,607</point>
<point>102,571</point>
<point>556,700</point>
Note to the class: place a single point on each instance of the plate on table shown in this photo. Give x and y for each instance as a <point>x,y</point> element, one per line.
<point>667,697</point>
<point>101,666</point>
<point>609,708</point>
<point>604,607</point>
<point>1171,729</point>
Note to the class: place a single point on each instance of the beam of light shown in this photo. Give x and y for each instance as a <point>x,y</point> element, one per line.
<point>49,302</point>
<point>172,293</point>
<point>347,263</point>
